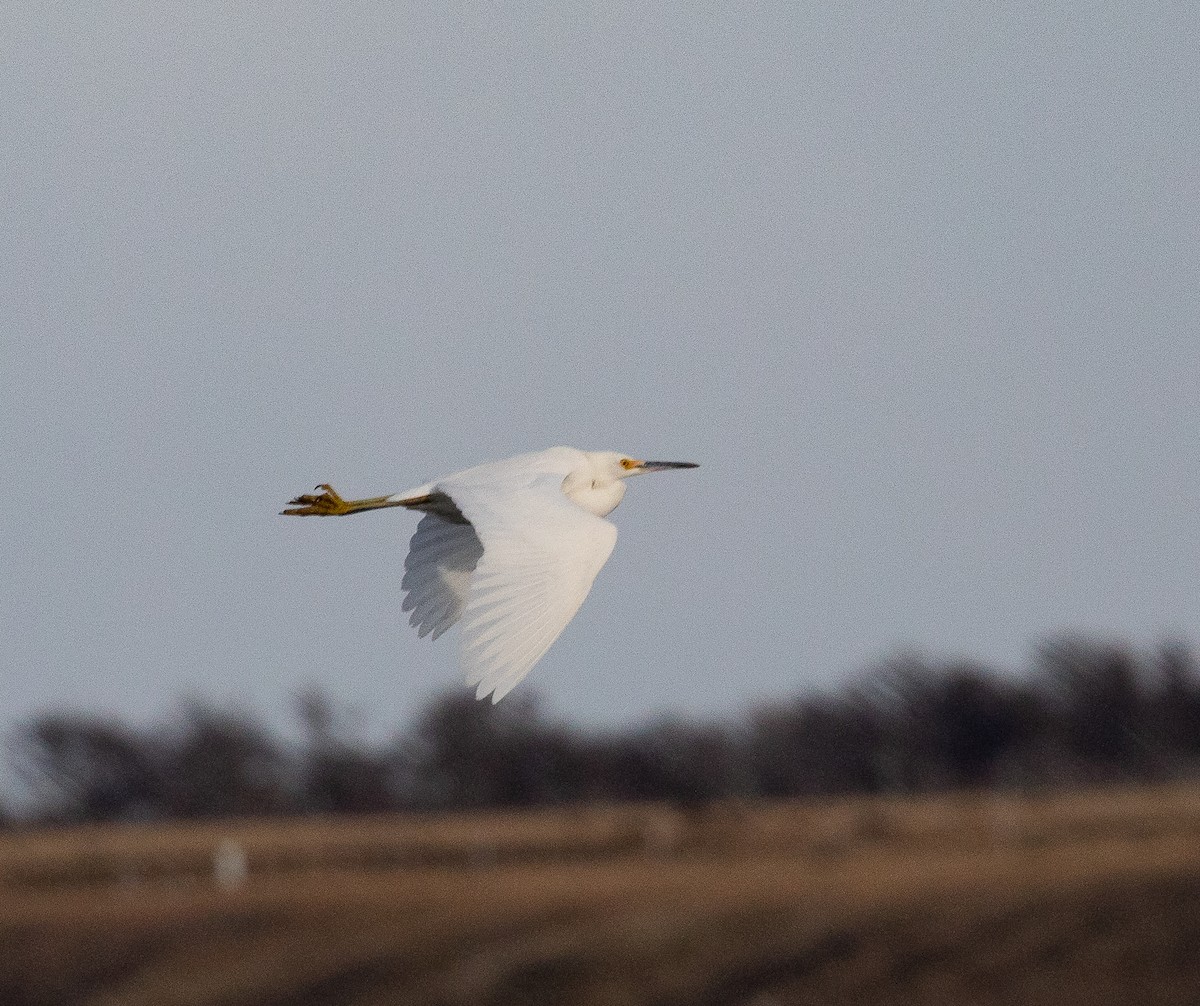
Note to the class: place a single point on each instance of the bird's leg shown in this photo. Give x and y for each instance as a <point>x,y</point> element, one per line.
<point>329,504</point>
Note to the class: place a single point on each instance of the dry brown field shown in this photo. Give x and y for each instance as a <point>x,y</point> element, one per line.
<point>1087,898</point>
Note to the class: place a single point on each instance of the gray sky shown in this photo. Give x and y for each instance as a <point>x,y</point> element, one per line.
<point>917,286</point>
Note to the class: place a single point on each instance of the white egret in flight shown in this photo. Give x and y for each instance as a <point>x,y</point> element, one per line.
<point>510,548</point>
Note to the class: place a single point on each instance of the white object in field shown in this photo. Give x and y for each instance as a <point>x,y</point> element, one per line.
<point>509,548</point>
<point>231,866</point>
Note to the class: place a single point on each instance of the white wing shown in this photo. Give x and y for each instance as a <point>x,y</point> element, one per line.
<point>541,554</point>
<point>442,555</point>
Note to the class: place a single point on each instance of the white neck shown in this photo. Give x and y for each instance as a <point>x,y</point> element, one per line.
<point>600,498</point>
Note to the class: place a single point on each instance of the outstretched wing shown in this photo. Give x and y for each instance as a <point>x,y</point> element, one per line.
<point>541,554</point>
<point>442,555</point>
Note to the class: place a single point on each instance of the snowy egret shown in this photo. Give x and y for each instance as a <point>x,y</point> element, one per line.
<point>510,548</point>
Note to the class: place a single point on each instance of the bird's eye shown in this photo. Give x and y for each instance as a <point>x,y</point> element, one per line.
<point>628,463</point>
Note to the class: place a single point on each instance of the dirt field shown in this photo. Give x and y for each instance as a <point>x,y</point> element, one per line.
<point>1091,898</point>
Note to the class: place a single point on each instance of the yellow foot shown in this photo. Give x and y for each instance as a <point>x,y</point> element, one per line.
<point>327,504</point>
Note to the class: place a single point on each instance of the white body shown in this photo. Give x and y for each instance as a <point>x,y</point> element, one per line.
<point>511,549</point>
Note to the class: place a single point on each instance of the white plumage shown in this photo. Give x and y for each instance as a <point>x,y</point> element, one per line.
<point>437,573</point>
<point>510,549</point>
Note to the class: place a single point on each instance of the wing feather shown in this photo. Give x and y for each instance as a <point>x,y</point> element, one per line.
<point>540,556</point>
<point>437,573</point>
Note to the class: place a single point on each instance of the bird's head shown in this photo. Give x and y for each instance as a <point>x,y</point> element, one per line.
<point>610,466</point>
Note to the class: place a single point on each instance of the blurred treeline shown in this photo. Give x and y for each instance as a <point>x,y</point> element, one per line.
<point>1083,713</point>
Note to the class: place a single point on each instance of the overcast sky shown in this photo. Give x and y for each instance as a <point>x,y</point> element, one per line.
<point>916,284</point>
